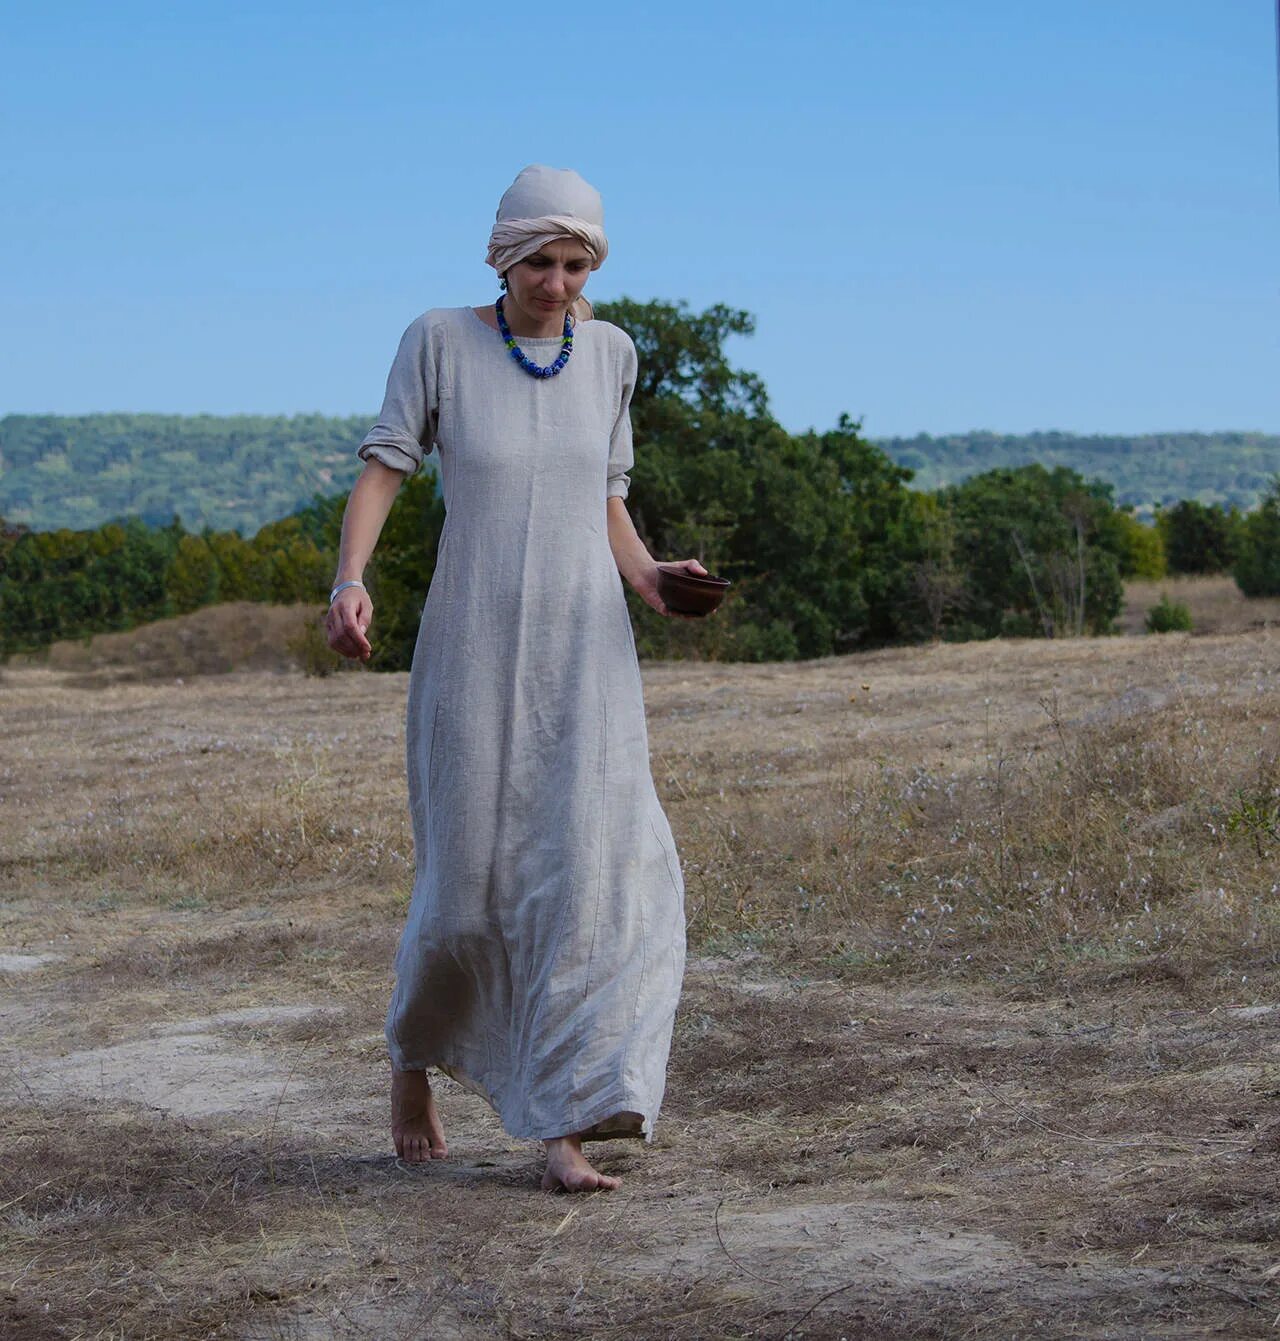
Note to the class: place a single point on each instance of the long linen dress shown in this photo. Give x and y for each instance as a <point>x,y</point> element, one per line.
<point>543,952</point>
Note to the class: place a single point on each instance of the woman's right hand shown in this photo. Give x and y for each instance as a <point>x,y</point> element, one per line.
<point>348,621</point>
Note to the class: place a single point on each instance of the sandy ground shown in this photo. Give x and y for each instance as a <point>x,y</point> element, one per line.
<point>202,885</point>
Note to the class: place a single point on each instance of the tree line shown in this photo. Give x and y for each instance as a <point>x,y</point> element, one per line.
<point>1149,472</point>
<point>829,546</point>
<point>71,584</point>
<point>238,472</point>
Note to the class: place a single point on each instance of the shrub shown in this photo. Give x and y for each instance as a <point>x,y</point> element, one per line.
<point>310,649</point>
<point>1168,616</point>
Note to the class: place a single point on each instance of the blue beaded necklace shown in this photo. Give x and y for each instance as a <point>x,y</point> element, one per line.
<point>532,368</point>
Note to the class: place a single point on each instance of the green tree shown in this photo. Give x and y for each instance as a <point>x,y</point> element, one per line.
<point>401,570</point>
<point>242,567</point>
<point>682,355</point>
<point>1038,552</point>
<point>1257,561</point>
<point>1140,548</point>
<point>192,580</point>
<point>1198,537</point>
<point>64,584</point>
<point>817,530</point>
<point>292,566</point>
<point>939,580</point>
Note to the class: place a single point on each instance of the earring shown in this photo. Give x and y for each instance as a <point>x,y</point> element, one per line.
<point>502,284</point>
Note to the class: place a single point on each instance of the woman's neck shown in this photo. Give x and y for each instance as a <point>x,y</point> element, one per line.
<point>490,318</point>
<point>533,324</point>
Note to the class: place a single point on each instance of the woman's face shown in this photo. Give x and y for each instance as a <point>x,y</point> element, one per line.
<point>545,284</point>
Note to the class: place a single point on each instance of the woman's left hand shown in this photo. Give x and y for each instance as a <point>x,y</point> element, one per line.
<point>647,585</point>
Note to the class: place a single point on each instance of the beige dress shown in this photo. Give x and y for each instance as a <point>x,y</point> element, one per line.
<point>542,958</point>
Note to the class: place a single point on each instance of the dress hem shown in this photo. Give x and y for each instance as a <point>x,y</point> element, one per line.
<point>588,1127</point>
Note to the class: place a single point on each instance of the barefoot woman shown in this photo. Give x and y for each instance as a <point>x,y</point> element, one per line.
<point>543,952</point>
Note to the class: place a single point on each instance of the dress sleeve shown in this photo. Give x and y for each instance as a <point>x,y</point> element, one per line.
<point>621,454</point>
<point>406,425</point>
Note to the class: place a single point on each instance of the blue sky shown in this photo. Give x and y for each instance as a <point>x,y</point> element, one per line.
<point>944,216</point>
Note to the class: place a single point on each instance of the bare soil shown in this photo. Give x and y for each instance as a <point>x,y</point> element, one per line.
<point>978,1037</point>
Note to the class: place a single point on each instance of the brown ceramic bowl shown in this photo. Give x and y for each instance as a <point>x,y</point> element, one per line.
<point>689,593</point>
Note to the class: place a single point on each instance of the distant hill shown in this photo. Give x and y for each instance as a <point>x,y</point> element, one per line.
<point>238,472</point>
<point>230,472</point>
<point>1146,471</point>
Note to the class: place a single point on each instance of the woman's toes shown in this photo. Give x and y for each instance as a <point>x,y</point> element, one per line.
<point>579,1180</point>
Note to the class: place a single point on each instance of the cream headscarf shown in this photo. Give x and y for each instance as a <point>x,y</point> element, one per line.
<point>544,205</point>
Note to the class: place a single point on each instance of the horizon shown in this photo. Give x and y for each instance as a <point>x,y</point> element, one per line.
<point>947,433</point>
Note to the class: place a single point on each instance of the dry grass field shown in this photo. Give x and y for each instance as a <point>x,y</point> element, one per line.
<point>978,1036</point>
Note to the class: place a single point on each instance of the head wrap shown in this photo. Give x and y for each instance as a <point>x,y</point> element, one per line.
<point>547,205</point>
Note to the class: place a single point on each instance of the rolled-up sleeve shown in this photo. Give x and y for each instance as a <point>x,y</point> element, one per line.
<point>621,448</point>
<point>406,426</point>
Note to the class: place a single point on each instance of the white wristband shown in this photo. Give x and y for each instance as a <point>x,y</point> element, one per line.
<point>342,586</point>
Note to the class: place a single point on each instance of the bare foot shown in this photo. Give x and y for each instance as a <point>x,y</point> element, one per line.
<point>415,1125</point>
<point>569,1171</point>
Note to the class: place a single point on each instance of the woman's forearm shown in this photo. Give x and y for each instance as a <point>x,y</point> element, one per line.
<point>635,563</point>
<point>362,522</point>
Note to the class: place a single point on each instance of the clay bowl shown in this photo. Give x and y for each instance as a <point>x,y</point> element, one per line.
<point>689,593</point>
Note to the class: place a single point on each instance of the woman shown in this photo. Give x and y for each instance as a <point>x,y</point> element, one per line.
<point>542,955</point>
